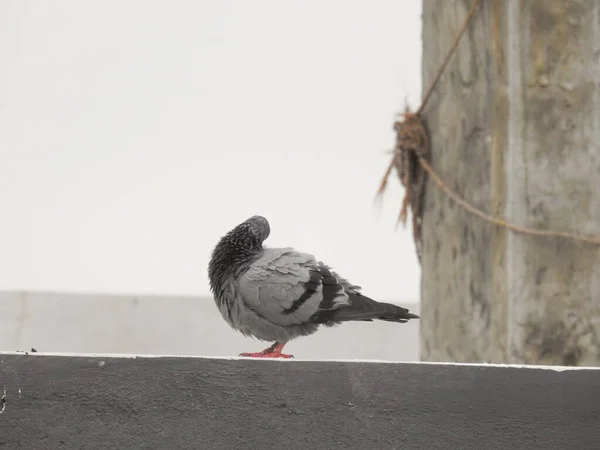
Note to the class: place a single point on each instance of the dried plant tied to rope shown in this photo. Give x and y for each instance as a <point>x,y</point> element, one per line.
<point>410,161</point>
<point>411,145</point>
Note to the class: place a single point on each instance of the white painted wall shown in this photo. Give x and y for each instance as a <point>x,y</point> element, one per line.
<point>133,134</point>
<point>174,325</point>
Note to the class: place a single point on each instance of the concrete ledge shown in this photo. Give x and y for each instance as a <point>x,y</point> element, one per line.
<point>112,401</point>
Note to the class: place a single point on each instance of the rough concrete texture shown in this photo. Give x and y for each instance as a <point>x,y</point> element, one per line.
<point>196,403</point>
<point>172,325</point>
<point>515,130</point>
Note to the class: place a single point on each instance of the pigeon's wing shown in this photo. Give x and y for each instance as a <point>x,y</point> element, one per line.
<point>287,287</point>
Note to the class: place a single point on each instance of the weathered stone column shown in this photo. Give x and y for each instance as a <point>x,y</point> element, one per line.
<point>515,130</point>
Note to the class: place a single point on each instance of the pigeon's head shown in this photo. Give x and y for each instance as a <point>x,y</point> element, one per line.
<point>246,238</point>
<point>255,230</point>
<point>236,251</point>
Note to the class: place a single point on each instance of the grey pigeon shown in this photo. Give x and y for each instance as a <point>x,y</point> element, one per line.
<point>278,294</point>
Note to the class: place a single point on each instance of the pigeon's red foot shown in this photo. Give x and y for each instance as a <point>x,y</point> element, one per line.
<point>273,351</point>
<point>266,355</point>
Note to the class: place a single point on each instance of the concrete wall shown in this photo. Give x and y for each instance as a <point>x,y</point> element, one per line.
<point>104,401</point>
<point>175,326</point>
<point>515,130</point>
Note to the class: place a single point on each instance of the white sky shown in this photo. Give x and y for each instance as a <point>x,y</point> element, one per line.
<point>134,134</point>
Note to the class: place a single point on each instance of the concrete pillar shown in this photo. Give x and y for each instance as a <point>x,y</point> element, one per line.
<point>515,129</point>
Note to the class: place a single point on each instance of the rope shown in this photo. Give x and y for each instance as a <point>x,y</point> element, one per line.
<point>448,56</point>
<point>409,158</point>
<point>501,222</point>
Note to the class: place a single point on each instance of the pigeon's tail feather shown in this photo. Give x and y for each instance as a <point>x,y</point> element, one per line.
<point>364,308</point>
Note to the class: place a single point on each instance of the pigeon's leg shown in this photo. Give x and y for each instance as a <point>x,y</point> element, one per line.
<point>274,351</point>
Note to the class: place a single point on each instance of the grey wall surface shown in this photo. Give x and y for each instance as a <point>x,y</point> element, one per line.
<point>172,325</point>
<point>497,137</point>
<point>199,403</point>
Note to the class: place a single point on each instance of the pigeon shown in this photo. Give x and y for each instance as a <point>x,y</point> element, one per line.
<point>278,294</point>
